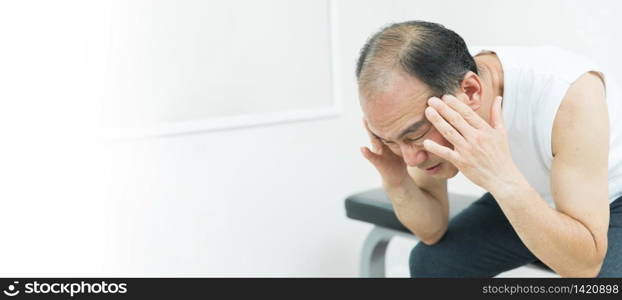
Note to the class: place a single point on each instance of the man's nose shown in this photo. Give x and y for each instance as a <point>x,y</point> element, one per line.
<point>413,155</point>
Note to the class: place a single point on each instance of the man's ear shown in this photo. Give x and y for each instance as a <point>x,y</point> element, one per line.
<point>471,86</point>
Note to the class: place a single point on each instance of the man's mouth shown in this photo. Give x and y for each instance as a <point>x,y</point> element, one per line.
<point>432,167</point>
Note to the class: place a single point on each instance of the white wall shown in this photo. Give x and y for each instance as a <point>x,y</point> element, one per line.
<point>259,201</point>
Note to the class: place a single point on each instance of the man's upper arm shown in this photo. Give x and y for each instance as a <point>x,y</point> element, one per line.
<point>580,140</point>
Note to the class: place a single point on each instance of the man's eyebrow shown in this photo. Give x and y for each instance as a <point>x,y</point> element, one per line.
<point>412,128</point>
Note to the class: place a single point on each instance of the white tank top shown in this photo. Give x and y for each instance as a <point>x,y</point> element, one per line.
<point>535,82</point>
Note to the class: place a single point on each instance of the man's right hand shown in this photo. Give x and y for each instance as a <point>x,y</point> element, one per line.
<point>427,217</point>
<point>391,167</point>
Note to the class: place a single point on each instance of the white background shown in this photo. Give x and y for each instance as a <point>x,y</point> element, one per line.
<point>264,200</point>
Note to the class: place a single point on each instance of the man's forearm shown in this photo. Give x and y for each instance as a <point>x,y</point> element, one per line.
<point>424,215</point>
<point>563,243</point>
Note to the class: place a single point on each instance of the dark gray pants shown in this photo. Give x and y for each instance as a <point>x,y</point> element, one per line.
<point>480,242</point>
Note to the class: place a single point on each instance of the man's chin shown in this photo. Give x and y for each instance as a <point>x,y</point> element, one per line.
<point>452,173</point>
<point>448,171</point>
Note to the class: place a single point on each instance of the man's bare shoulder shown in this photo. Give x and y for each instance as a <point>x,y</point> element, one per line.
<point>583,110</point>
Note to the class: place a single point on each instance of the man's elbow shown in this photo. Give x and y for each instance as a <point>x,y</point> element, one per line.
<point>428,235</point>
<point>433,238</point>
<point>588,270</point>
<point>430,241</point>
<point>592,261</point>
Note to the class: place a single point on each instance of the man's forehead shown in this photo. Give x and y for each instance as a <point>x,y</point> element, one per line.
<point>393,85</point>
<point>394,103</point>
<point>397,105</point>
<point>390,112</point>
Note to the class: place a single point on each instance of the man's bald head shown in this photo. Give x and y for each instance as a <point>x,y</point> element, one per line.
<point>428,51</point>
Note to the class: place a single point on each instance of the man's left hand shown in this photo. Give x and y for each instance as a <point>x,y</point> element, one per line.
<point>481,151</point>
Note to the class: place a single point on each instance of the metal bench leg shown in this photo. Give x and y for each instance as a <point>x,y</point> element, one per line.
<point>374,250</point>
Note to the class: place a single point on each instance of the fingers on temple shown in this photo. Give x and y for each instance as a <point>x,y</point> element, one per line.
<point>452,116</point>
<point>459,105</point>
<point>448,131</point>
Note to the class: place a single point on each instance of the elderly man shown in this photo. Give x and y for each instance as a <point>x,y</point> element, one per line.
<point>538,128</point>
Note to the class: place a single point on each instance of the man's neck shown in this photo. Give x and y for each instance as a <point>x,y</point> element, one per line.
<point>491,73</point>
